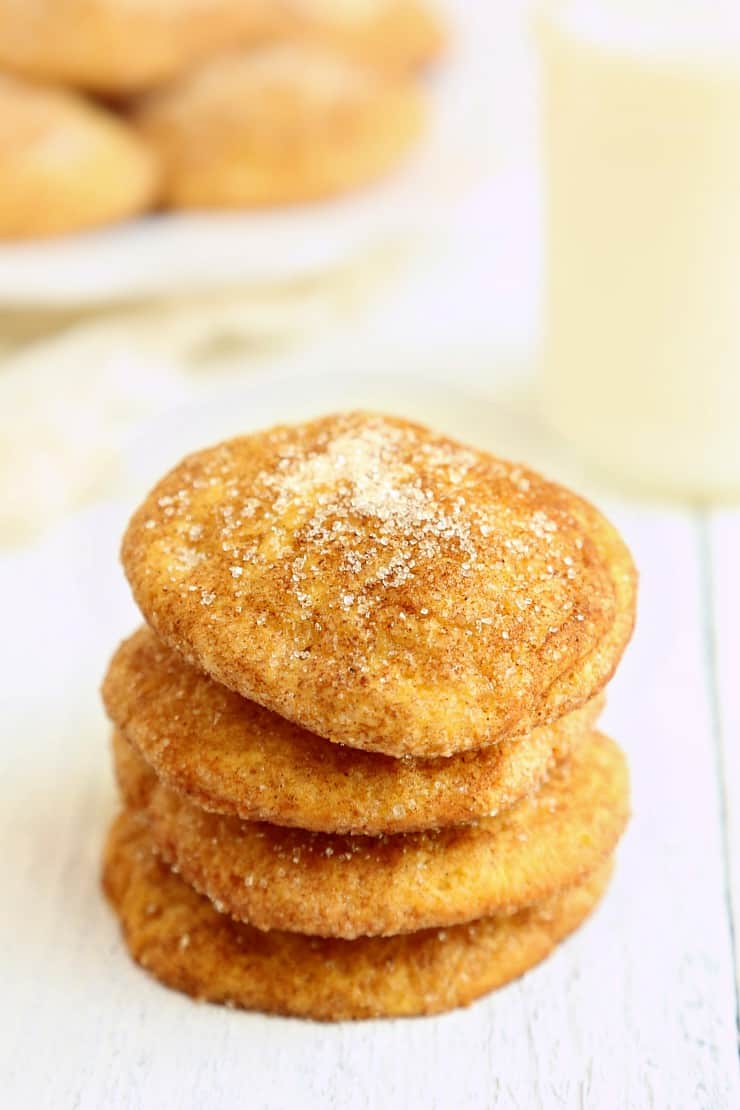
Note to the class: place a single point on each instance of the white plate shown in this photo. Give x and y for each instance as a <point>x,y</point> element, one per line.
<point>184,253</point>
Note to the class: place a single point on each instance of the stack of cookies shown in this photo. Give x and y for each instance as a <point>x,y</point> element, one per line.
<point>356,741</point>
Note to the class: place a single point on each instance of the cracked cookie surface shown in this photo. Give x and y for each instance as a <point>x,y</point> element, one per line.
<point>184,942</point>
<point>229,755</point>
<point>383,586</point>
<point>350,886</point>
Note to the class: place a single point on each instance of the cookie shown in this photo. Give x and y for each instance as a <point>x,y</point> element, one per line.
<point>278,124</point>
<point>393,34</point>
<point>65,164</point>
<point>119,46</point>
<point>184,942</point>
<point>135,781</point>
<point>350,886</point>
<point>382,586</point>
<point>229,755</point>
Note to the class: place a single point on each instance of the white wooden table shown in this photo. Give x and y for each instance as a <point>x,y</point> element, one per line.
<point>638,1010</point>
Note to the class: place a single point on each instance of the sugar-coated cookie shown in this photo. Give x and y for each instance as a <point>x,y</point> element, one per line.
<point>65,164</point>
<point>120,46</point>
<point>350,886</point>
<point>394,34</point>
<point>231,756</point>
<point>183,941</point>
<point>278,124</point>
<point>381,585</point>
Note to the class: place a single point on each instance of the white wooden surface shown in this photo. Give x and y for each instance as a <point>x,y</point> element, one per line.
<point>638,1010</point>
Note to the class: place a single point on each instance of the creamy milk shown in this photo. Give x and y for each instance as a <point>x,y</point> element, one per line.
<point>642,305</point>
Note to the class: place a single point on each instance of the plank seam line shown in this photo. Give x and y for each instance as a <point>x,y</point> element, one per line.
<point>710,646</point>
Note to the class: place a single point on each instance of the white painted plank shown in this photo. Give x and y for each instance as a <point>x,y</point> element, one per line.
<point>640,1012</point>
<point>724,585</point>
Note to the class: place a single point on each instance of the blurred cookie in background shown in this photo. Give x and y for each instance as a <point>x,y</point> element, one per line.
<point>282,123</point>
<point>397,34</point>
<point>120,46</point>
<point>66,164</point>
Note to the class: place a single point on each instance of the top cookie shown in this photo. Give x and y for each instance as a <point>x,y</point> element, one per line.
<point>381,585</point>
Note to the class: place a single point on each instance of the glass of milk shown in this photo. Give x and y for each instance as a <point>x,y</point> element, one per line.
<point>641,102</point>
